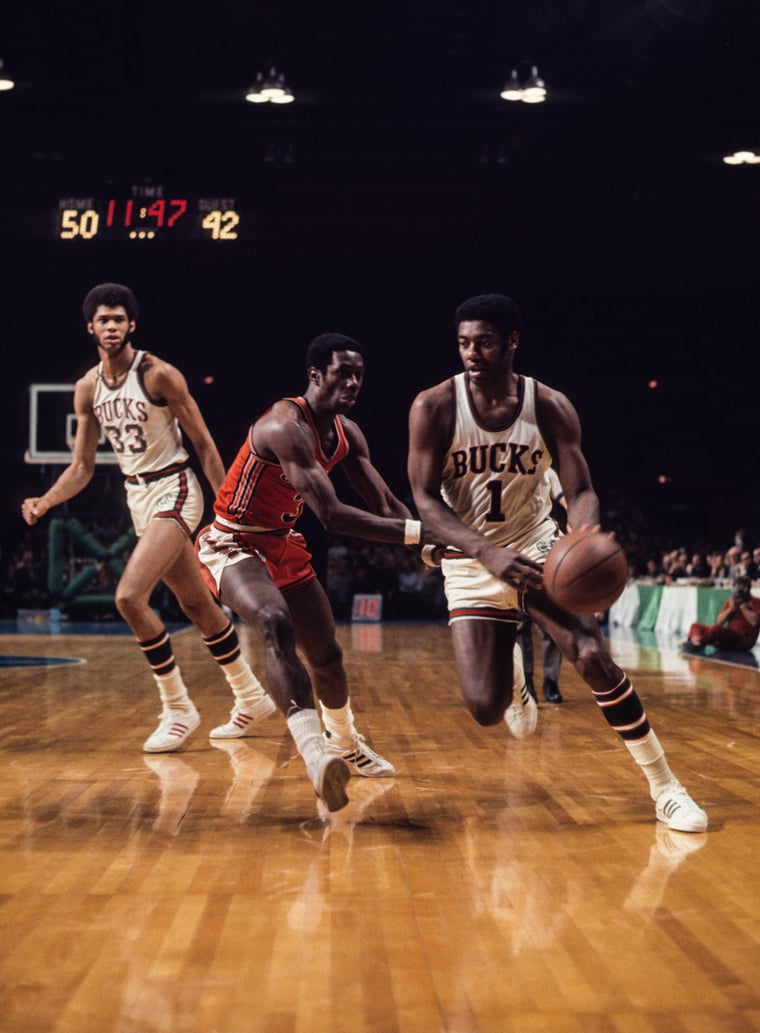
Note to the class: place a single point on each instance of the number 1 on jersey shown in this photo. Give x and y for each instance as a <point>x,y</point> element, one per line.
<point>495,514</point>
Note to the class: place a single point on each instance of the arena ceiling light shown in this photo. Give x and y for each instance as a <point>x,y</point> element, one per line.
<point>534,90</point>
<point>6,82</point>
<point>270,87</point>
<point>531,90</point>
<point>513,88</point>
<point>742,158</point>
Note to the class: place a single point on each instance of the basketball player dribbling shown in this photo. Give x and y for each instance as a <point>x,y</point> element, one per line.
<point>480,443</point>
<point>143,405</point>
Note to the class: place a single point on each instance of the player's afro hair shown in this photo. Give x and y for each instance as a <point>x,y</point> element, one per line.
<point>496,309</point>
<point>320,351</point>
<point>111,295</point>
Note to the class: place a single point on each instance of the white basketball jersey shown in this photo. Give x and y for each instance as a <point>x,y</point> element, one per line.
<point>144,436</point>
<point>495,480</point>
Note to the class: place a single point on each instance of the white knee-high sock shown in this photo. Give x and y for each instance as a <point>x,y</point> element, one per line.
<point>225,649</point>
<point>246,687</point>
<point>650,756</point>
<point>306,730</point>
<point>173,690</point>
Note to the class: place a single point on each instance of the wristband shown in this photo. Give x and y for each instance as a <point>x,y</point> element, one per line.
<point>412,532</point>
<point>428,556</point>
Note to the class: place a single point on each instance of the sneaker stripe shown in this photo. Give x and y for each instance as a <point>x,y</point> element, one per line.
<point>361,758</point>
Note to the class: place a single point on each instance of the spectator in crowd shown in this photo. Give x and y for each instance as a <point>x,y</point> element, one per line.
<point>753,571</point>
<point>675,565</point>
<point>716,562</point>
<point>653,571</point>
<point>27,579</point>
<point>732,562</point>
<point>744,566</point>
<point>698,567</point>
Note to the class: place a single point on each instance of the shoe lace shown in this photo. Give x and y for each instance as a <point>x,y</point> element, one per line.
<point>676,793</point>
<point>167,717</point>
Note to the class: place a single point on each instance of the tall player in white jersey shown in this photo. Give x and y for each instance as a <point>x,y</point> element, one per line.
<point>480,444</point>
<point>143,405</point>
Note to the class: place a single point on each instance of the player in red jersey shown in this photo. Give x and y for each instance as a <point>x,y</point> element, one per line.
<point>259,565</point>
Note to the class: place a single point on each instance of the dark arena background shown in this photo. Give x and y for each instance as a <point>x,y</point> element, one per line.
<point>495,882</point>
<point>397,183</point>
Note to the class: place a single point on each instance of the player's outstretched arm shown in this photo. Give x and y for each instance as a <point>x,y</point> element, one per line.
<point>291,441</point>
<point>78,473</point>
<point>366,479</point>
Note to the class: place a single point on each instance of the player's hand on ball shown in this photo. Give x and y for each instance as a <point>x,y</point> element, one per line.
<point>585,571</point>
<point>512,566</point>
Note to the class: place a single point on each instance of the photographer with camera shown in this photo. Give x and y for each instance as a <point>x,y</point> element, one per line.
<point>736,627</point>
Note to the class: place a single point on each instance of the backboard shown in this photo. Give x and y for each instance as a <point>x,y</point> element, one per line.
<point>52,426</point>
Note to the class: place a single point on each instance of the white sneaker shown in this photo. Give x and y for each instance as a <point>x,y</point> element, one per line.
<point>678,811</point>
<point>241,721</point>
<point>174,726</point>
<point>361,758</point>
<point>522,715</point>
<point>329,775</point>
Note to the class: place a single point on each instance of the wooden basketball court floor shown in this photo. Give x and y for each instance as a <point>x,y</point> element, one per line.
<point>491,886</point>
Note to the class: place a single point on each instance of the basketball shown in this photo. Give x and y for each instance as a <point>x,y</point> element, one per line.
<point>585,572</point>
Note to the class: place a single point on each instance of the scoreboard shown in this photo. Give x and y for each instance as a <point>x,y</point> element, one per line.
<point>145,213</point>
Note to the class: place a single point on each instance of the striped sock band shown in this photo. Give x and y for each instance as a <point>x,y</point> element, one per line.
<point>623,711</point>
<point>224,646</point>
<point>159,654</point>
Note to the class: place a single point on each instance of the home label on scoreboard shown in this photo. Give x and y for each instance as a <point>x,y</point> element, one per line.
<point>147,213</point>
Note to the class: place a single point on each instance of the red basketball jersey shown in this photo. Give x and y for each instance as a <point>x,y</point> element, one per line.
<point>256,492</point>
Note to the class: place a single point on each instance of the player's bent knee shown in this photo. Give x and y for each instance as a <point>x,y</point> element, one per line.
<point>129,603</point>
<point>274,625</point>
<point>591,657</point>
<point>332,661</point>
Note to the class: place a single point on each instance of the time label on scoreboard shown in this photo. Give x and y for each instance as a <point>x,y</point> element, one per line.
<point>147,213</point>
